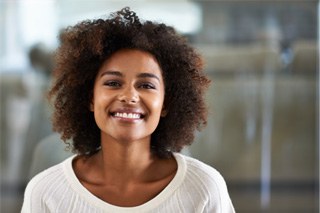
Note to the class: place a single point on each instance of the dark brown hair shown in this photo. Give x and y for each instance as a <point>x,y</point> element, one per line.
<point>83,49</point>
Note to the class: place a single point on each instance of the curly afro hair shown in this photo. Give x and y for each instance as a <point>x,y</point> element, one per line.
<point>83,49</point>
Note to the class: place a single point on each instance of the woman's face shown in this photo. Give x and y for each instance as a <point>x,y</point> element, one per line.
<point>128,96</point>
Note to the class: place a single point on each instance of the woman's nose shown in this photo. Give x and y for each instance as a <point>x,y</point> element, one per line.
<point>129,95</point>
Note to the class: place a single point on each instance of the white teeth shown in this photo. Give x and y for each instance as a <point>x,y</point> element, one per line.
<point>127,115</point>
<point>136,116</point>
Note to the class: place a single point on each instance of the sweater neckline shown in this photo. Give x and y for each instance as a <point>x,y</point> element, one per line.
<point>149,205</point>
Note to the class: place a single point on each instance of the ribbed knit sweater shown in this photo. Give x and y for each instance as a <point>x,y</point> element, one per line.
<point>196,187</point>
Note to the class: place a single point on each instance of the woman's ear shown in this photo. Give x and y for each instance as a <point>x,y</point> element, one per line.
<point>91,107</point>
<point>164,112</point>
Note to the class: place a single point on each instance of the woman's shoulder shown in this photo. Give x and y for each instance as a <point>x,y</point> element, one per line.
<point>45,177</point>
<point>208,184</point>
<point>46,187</point>
<point>48,177</point>
<point>203,176</point>
<point>200,169</point>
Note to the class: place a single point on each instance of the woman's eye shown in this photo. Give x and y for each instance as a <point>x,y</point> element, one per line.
<point>147,86</point>
<point>112,84</point>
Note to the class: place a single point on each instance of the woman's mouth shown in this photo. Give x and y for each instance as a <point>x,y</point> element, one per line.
<point>127,115</point>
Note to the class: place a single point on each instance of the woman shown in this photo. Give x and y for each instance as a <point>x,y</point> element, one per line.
<point>130,96</point>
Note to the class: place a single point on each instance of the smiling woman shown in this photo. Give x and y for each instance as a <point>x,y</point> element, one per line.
<point>130,96</point>
<point>127,103</point>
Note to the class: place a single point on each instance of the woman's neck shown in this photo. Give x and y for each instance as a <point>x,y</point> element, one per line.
<point>124,161</point>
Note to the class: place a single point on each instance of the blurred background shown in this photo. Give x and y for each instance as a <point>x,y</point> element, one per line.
<point>262,56</point>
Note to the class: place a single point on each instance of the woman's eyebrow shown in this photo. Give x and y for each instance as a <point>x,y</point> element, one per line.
<point>116,73</point>
<point>141,75</point>
<point>148,75</point>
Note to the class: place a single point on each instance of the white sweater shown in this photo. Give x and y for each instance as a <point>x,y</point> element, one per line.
<point>195,188</point>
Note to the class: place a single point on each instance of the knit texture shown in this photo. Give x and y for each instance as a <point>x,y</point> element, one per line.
<point>195,188</point>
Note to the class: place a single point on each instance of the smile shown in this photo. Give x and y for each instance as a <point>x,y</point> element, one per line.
<point>127,115</point>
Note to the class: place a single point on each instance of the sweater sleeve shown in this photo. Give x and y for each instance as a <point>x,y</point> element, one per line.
<point>219,200</point>
<point>32,197</point>
<point>27,201</point>
<point>212,187</point>
<point>33,201</point>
